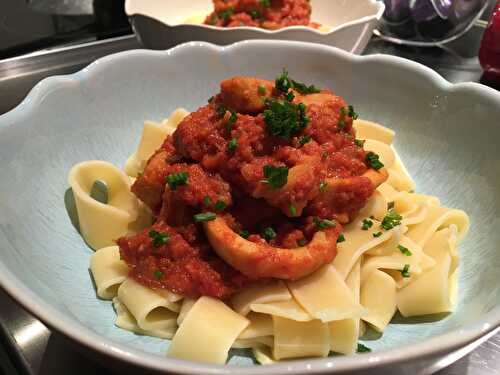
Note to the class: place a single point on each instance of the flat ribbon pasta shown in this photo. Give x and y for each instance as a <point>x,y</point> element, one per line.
<point>378,296</point>
<point>275,291</point>
<point>207,332</point>
<point>372,130</point>
<point>101,224</point>
<point>108,271</point>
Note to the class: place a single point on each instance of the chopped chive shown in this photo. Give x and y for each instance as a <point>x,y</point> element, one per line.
<point>301,242</point>
<point>293,211</point>
<point>177,179</point>
<point>205,216</point>
<point>261,90</point>
<point>265,3</point>
<point>366,224</point>
<point>158,238</point>
<point>340,238</point>
<point>405,250</point>
<point>372,159</point>
<point>206,201</point>
<point>352,114</point>
<point>391,220</point>
<point>323,224</point>
<point>322,186</point>
<point>255,14</point>
<point>220,205</point>
<point>244,233</point>
<point>405,272</point>
<point>231,146</point>
<point>232,120</point>
<point>268,233</point>
<point>158,275</point>
<point>363,349</point>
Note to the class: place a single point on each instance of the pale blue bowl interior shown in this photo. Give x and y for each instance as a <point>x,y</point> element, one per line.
<point>445,135</point>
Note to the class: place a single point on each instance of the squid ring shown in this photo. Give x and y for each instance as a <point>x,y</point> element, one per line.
<point>261,260</point>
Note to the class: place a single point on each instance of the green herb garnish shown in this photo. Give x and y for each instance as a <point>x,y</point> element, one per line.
<point>220,205</point>
<point>340,238</point>
<point>231,121</point>
<point>372,159</point>
<point>351,113</point>
<point>390,205</point>
<point>284,119</point>
<point>378,234</point>
<point>391,220</point>
<point>304,89</point>
<point>231,146</point>
<point>158,275</point>
<point>226,14</point>
<point>363,349</point>
<point>301,242</point>
<point>158,238</point>
<point>261,90</point>
<point>359,142</point>
<point>304,140</point>
<point>177,179</point>
<point>405,272</point>
<point>205,216</point>
<point>322,186</point>
<point>283,83</point>
<point>244,233</point>
<point>366,224</point>
<point>323,224</point>
<point>268,233</point>
<point>293,210</point>
<point>206,201</point>
<point>405,250</point>
<point>265,3</point>
<point>276,177</point>
<point>255,14</point>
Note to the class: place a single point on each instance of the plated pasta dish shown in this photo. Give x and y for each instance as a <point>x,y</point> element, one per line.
<point>271,219</point>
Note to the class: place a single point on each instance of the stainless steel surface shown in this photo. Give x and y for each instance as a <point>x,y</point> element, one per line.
<point>35,350</point>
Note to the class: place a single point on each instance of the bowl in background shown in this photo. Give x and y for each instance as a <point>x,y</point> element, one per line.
<point>161,24</point>
<point>446,135</point>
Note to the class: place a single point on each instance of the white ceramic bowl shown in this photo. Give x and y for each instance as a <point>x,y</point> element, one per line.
<point>160,24</point>
<point>446,134</point>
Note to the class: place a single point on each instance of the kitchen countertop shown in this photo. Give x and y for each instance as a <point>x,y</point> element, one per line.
<point>28,347</point>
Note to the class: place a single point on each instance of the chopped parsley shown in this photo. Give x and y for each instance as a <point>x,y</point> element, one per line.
<point>285,119</point>
<point>276,177</point>
<point>158,238</point>
<point>363,349</point>
<point>265,3</point>
<point>255,14</point>
<point>366,224</point>
<point>158,275</point>
<point>405,250</point>
<point>378,234</point>
<point>304,89</point>
<point>391,220</point>
<point>268,233</point>
<point>205,216</point>
<point>284,83</point>
<point>231,121</point>
<point>244,233</point>
<point>293,210</point>
<point>289,96</point>
<point>405,272</point>
<point>220,205</point>
<point>351,113</point>
<point>177,179</point>
<point>301,242</point>
<point>231,146</point>
<point>359,142</point>
<point>305,139</point>
<point>261,90</point>
<point>372,159</point>
<point>226,14</point>
<point>322,186</point>
<point>206,201</point>
<point>323,224</point>
<point>340,238</point>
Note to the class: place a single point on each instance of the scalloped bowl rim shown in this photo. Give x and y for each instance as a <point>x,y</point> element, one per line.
<point>358,21</point>
<point>443,343</point>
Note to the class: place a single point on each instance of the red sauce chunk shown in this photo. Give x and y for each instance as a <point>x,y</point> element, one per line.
<point>267,14</point>
<point>276,162</point>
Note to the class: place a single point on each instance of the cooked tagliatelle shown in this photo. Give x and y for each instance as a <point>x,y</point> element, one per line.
<point>271,219</point>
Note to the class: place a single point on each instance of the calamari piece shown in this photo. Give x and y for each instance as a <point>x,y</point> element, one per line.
<point>261,260</point>
<point>245,94</point>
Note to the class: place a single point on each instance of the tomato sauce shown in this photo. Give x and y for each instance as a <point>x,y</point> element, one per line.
<point>267,14</point>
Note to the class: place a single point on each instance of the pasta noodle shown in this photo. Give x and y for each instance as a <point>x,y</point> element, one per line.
<point>408,265</point>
